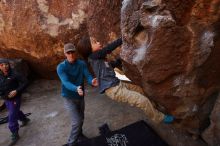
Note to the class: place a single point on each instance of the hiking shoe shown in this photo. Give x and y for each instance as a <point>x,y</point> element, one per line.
<point>14,138</point>
<point>25,122</point>
<point>168,119</point>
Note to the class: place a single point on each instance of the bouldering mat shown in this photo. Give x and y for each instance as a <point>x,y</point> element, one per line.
<point>136,134</point>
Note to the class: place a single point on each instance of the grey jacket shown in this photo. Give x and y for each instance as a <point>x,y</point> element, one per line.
<point>103,70</point>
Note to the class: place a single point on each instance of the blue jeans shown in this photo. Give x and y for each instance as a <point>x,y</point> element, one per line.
<point>76,108</point>
<point>14,113</point>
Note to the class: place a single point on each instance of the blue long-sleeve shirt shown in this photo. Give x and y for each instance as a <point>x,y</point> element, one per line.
<point>72,75</point>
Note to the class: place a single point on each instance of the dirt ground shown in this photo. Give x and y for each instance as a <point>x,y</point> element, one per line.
<point>50,123</point>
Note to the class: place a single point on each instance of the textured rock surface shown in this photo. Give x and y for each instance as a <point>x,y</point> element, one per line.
<point>36,30</point>
<point>212,134</point>
<point>104,21</point>
<point>20,66</point>
<point>171,49</point>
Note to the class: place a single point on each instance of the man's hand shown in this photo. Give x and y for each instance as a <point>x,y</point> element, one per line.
<point>95,82</point>
<point>12,94</point>
<point>80,91</point>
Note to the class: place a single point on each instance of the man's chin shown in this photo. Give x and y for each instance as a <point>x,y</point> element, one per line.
<point>72,61</point>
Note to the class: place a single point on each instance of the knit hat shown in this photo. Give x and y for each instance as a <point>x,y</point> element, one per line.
<point>4,60</point>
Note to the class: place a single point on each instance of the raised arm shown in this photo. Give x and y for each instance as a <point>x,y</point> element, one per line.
<point>106,50</point>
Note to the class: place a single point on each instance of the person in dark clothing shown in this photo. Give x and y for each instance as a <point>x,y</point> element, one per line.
<point>11,86</point>
<point>112,86</point>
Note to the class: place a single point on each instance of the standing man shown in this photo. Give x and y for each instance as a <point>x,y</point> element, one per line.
<point>72,72</point>
<point>11,87</point>
<point>112,86</point>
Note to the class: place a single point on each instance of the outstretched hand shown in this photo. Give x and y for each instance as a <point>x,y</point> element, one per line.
<point>80,91</point>
<point>95,82</point>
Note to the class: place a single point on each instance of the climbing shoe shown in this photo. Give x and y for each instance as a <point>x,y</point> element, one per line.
<point>168,119</point>
<point>14,138</point>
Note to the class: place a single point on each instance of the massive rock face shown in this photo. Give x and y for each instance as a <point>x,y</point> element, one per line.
<point>212,134</point>
<point>171,49</point>
<point>36,30</point>
<point>104,20</point>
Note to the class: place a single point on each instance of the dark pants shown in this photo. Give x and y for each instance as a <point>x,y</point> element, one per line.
<point>76,110</point>
<point>14,113</point>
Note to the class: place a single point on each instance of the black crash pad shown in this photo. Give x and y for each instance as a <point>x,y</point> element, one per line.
<point>4,120</point>
<point>136,134</point>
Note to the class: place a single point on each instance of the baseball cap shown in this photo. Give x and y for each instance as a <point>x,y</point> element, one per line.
<point>69,47</point>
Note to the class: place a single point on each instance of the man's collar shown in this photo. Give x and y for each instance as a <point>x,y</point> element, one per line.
<point>71,63</point>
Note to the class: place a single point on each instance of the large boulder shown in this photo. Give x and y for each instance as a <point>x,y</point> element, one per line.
<point>171,49</point>
<point>36,30</point>
<point>212,135</point>
<point>103,22</point>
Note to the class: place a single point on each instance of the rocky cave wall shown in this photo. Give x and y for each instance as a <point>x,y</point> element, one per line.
<point>171,49</point>
<point>36,30</point>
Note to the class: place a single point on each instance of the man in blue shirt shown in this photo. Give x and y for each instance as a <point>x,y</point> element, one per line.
<point>72,72</point>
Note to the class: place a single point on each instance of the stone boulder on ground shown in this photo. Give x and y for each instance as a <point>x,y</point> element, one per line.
<point>212,135</point>
<point>36,30</point>
<point>171,49</point>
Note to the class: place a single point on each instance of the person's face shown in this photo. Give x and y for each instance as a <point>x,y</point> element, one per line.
<point>4,67</point>
<point>71,56</point>
<point>95,44</point>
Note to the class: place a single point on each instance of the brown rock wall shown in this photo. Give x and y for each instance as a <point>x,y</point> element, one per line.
<point>36,30</point>
<point>173,46</point>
